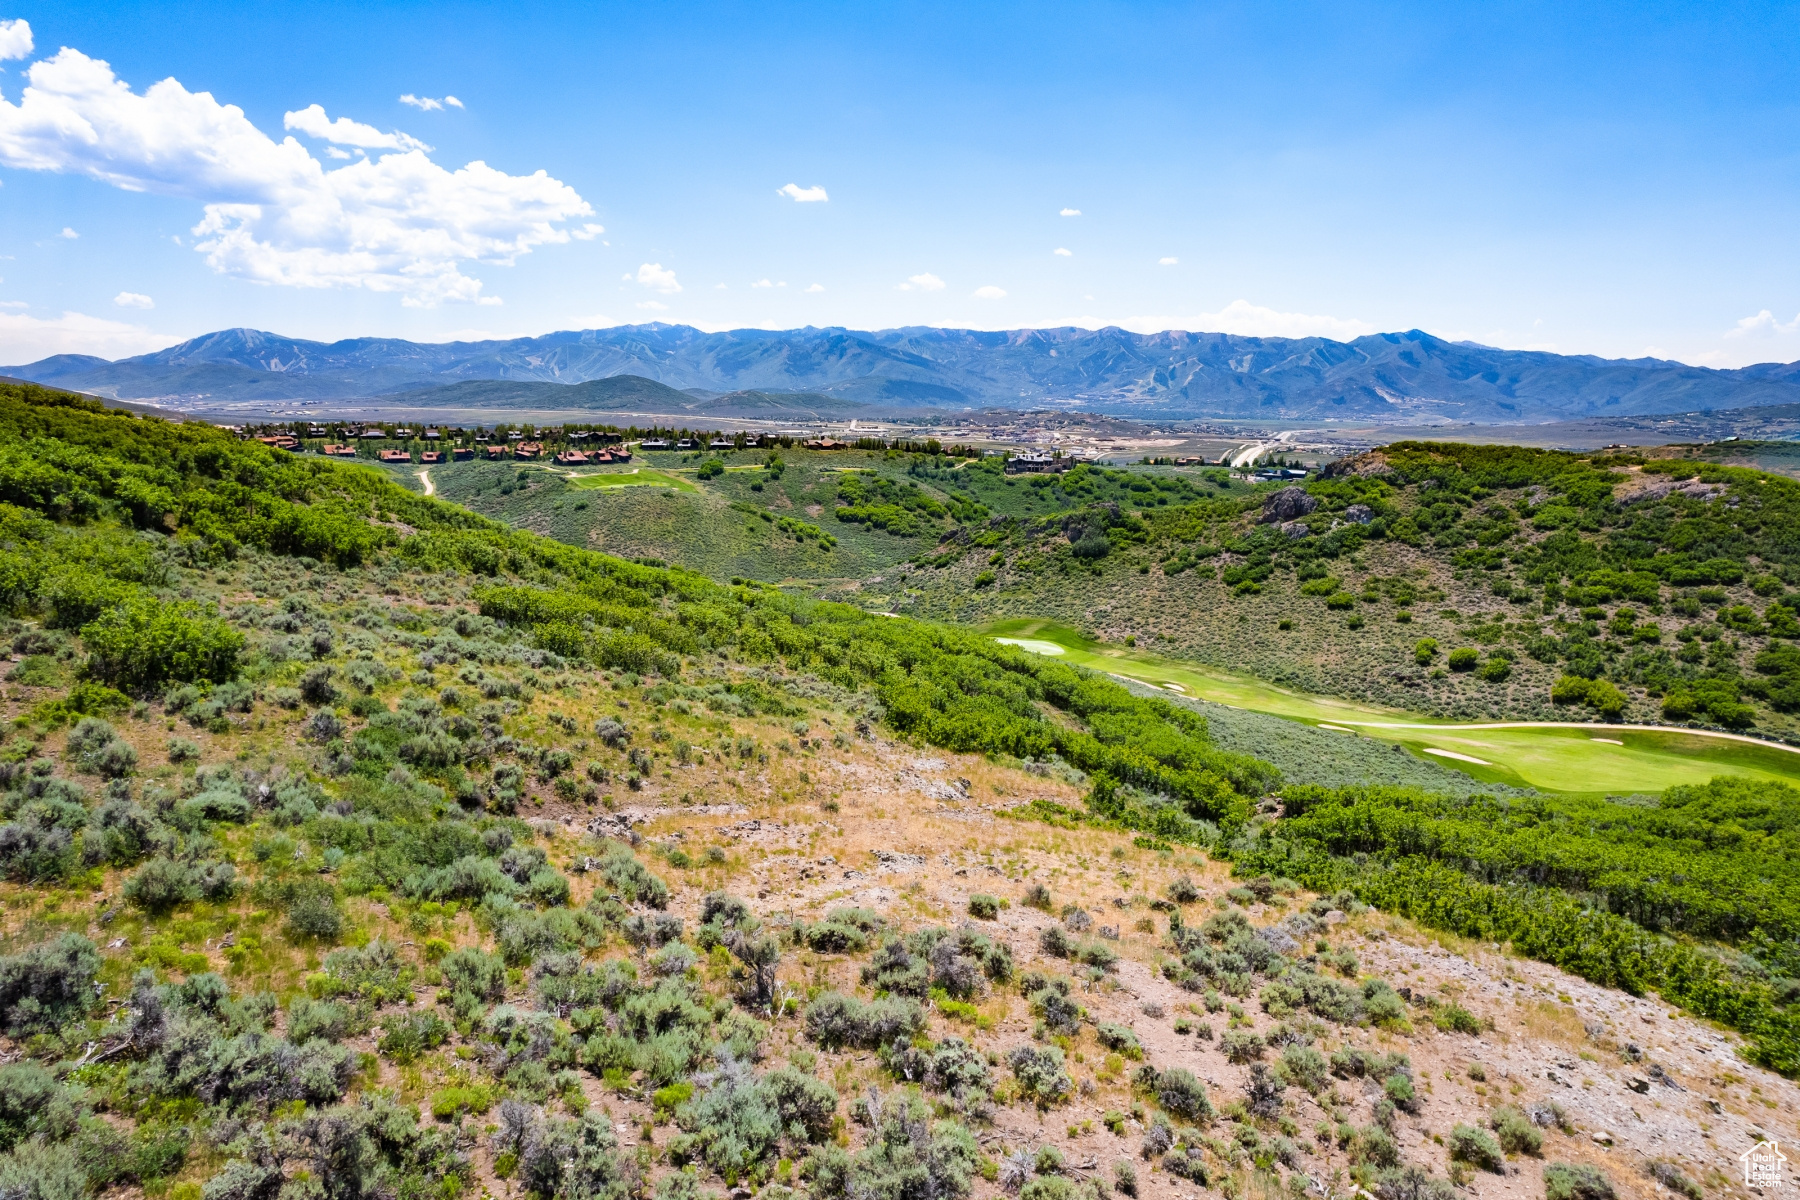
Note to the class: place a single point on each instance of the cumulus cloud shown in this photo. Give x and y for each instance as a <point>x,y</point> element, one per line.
<point>1064,252</point>
<point>588,232</point>
<point>133,300</point>
<point>26,339</point>
<point>800,195</point>
<point>990,292</point>
<point>271,212</point>
<point>653,305</point>
<point>427,104</point>
<point>654,277</point>
<point>1764,325</point>
<point>15,39</point>
<point>1167,262</point>
<point>924,283</point>
<point>1071,212</point>
<point>68,233</point>
<point>762,283</point>
<point>313,122</point>
<point>815,287</point>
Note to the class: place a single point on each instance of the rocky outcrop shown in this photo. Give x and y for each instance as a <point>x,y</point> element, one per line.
<point>1289,504</point>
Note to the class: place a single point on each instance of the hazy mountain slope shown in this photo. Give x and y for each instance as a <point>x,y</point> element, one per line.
<point>1402,376</point>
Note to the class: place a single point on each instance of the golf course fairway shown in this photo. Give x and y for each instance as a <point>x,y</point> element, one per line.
<point>1550,756</point>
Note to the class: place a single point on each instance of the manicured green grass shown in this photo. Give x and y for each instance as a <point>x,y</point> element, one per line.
<point>629,477</point>
<point>1546,757</point>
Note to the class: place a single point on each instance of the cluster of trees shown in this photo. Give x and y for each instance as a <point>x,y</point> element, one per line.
<point>899,507</point>
<point>1593,887</point>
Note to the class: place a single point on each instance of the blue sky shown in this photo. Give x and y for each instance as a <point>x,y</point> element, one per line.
<point>1616,180</point>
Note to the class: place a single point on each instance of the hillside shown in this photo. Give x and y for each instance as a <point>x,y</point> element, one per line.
<point>1454,580</point>
<point>1391,377</point>
<point>766,515</point>
<point>358,846</point>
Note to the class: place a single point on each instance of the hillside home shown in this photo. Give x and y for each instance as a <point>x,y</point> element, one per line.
<point>571,458</point>
<point>395,456</point>
<point>1032,463</point>
<point>529,450</point>
<point>431,457</point>
<point>462,454</point>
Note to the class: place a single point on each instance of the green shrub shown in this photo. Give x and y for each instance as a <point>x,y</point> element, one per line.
<point>1040,1072</point>
<point>1424,650</point>
<point>406,1036</point>
<point>984,906</point>
<point>836,1021</point>
<point>1578,1181</point>
<point>1119,1038</point>
<point>474,973</point>
<point>1464,658</point>
<point>629,877</point>
<point>1304,1067</point>
<point>1182,1094</point>
<point>142,644</point>
<point>1477,1148</point>
<point>1675,1179</point>
<point>1516,1132</point>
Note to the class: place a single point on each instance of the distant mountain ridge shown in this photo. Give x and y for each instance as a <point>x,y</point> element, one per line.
<point>1410,377</point>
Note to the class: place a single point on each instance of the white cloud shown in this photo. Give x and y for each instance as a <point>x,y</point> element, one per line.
<point>13,304</point>
<point>26,339</point>
<point>68,233</point>
<point>653,305</point>
<point>1071,212</point>
<point>762,283</point>
<point>815,287</point>
<point>990,292</point>
<point>313,122</point>
<point>924,283</point>
<point>654,277</point>
<point>272,213</point>
<point>719,287</point>
<point>800,195</point>
<point>427,104</point>
<point>334,152</point>
<point>15,39</point>
<point>1167,262</point>
<point>133,300</point>
<point>1764,326</point>
<point>1064,251</point>
<point>588,232</point>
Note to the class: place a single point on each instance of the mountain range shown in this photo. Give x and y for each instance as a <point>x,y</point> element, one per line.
<point>1410,377</point>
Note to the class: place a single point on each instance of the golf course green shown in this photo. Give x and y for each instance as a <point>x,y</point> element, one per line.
<point>1550,756</point>
<point>633,477</point>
